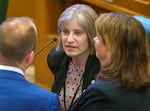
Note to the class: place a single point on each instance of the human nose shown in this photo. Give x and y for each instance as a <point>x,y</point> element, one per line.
<point>70,37</point>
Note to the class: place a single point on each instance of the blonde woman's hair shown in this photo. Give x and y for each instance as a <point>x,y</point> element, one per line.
<point>127,41</point>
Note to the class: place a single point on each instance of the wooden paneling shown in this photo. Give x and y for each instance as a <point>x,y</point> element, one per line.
<point>132,7</point>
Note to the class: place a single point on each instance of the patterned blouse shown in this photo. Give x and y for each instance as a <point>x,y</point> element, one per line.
<point>73,80</point>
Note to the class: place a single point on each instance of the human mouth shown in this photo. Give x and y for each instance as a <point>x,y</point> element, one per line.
<point>69,47</point>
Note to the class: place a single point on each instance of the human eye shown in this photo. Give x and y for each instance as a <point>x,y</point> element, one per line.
<point>78,33</point>
<point>65,32</point>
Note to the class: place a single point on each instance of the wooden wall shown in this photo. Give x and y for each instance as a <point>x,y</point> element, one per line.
<point>132,7</point>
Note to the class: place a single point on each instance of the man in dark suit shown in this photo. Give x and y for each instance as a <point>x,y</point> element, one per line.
<point>18,37</point>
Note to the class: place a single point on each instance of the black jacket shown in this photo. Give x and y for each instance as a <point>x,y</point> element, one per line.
<point>58,63</point>
<point>111,96</point>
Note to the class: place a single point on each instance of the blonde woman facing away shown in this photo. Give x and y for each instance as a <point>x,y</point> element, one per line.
<point>123,83</point>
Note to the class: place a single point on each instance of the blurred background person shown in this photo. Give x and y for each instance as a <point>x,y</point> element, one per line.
<point>73,61</point>
<point>18,36</point>
<point>124,80</point>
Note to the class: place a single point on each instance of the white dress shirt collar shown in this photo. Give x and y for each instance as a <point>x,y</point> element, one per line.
<point>11,68</point>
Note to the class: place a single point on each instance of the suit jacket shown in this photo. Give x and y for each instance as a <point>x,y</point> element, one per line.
<point>58,63</point>
<point>17,94</point>
<point>111,96</point>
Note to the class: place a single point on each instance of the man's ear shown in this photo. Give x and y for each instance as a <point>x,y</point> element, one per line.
<point>27,61</point>
<point>29,57</point>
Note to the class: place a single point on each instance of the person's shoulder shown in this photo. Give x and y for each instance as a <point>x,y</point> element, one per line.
<point>36,90</point>
<point>54,51</point>
<point>43,97</point>
<point>54,54</point>
<point>55,58</point>
<point>96,84</point>
<point>93,57</point>
<point>103,85</point>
